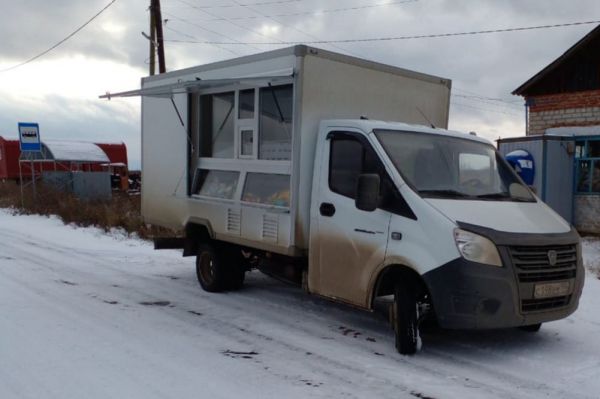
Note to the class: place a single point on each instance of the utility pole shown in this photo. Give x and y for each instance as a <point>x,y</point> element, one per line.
<point>156,38</point>
<point>152,40</point>
<point>159,37</point>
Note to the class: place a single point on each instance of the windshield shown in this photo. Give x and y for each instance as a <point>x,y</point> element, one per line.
<point>450,167</point>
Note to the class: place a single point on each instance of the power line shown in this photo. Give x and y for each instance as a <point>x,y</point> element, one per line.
<point>43,53</point>
<point>263,3</point>
<point>227,20</point>
<point>175,17</point>
<point>474,94</point>
<point>489,100</point>
<point>314,12</point>
<point>485,109</point>
<point>291,27</point>
<point>392,38</point>
<point>195,38</point>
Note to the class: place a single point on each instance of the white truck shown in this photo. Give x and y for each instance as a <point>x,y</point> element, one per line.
<point>278,161</point>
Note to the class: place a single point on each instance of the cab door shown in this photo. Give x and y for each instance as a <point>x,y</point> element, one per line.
<point>349,242</point>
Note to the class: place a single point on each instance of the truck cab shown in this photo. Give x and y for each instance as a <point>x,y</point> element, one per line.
<point>439,220</point>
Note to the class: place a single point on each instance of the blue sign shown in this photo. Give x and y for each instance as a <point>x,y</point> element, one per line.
<point>523,163</point>
<point>29,137</point>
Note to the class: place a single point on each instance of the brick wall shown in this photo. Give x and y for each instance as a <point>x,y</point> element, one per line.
<point>567,109</point>
<point>587,213</point>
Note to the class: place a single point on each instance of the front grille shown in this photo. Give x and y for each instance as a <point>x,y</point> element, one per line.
<point>536,258</point>
<point>532,305</point>
<point>546,276</point>
<point>533,265</point>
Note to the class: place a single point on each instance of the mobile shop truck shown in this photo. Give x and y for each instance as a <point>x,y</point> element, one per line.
<point>266,163</point>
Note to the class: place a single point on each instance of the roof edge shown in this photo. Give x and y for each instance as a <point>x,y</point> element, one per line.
<point>519,91</point>
<point>300,50</point>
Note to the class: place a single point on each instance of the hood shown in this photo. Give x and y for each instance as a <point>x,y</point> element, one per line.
<point>510,217</point>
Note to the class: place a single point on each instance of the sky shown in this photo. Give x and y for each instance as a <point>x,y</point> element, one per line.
<point>60,90</point>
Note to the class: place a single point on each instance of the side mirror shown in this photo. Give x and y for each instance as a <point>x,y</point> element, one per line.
<point>367,192</point>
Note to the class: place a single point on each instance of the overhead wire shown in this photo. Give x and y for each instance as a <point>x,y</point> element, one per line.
<point>195,38</point>
<point>411,37</point>
<point>263,3</point>
<point>176,18</point>
<point>487,100</point>
<point>468,93</point>
<point>314,12</point>
<point>291,27</point>
<point>43,53</point>
<point>460,104</point>
<point>227,20</point>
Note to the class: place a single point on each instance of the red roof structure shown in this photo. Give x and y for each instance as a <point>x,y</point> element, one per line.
<point>69,156</point>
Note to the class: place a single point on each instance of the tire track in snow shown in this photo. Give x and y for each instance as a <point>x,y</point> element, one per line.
<point>448,361</point>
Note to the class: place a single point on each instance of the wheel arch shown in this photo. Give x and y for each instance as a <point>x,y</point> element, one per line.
<point>197,231</point>
<point>387,277</point>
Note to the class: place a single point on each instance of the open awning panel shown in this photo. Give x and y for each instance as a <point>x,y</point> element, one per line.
<point>198,84</point>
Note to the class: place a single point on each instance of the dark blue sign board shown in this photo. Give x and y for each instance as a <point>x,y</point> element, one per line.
<point>524,164</point>
<point>29,137</point>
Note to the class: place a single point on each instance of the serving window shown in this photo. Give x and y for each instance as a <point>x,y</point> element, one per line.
<point>242,137</point>
<point>266,188</point>
<point>217,183</point>
<point>217,125</point>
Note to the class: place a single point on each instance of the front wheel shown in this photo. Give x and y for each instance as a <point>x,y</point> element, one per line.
<point>405,318</point>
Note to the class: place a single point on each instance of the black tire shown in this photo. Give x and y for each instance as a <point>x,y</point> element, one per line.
<point>531,327</point>
<point>405,318</point>
<point>210,269</point>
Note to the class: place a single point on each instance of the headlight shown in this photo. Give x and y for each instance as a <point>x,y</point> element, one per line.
<point>476,248</point>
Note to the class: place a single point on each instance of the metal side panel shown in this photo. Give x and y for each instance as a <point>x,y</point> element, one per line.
<point>559,178</point>
<point>333,89</point>
<point>164,164</point>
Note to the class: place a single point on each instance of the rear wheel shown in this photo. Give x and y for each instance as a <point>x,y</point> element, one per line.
<point>531,327</point>
<point>405,318</point>
<point>210,269</point>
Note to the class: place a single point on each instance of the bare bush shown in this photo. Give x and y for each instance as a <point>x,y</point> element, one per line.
<point>122,212</point>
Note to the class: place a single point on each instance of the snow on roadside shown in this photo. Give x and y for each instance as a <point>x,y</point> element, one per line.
<point>86,314</point>
<point>591,254</point>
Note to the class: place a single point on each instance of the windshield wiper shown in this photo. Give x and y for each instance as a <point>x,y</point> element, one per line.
<point>504,196</point>
<point>445,193</point>
<point>499,195</point>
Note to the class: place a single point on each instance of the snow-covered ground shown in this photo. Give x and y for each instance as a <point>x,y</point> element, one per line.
<point>87,315</point>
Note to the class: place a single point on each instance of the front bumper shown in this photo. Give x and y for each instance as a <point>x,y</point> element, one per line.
<point>469,295</point>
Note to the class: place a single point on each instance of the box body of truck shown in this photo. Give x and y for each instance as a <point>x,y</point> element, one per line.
<point>254,187</point>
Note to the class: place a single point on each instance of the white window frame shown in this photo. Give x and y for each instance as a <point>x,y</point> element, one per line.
<point>244,163</point>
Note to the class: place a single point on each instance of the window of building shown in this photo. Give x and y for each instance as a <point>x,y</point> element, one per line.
<point>579,149</point>
<point>587,166</point>
<point>593,149</point>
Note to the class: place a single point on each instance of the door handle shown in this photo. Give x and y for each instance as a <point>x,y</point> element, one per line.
<point>327,209</point>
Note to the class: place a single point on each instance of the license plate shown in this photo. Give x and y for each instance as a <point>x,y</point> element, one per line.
<point>550,290</point>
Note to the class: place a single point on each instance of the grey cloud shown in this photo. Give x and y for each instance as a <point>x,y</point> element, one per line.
<point>489,65</point>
